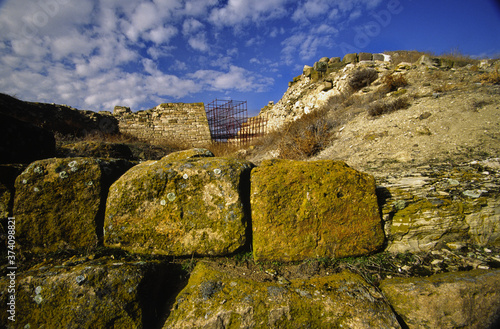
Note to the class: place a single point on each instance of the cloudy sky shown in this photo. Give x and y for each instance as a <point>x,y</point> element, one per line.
<point>95,54</point>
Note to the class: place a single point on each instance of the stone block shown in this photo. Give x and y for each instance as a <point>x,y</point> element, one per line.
<point>214,299</point>
<point>303,210</point>
<point>93,294</point>
<point>185,207</point>
<point>378,57</point>
<point>59,203</point>
<point>335,60</point>
<point>350,58</point>
<point>320,66</point>
<point>450,300</point>
<point>365,56</point>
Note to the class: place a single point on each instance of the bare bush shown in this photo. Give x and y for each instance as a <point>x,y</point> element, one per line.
<point>394,81</point>
<point>307,136</point>
<point>361,78</point>
<point>387,106</point>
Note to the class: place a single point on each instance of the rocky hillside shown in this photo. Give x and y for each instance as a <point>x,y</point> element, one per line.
<point>449,110</point>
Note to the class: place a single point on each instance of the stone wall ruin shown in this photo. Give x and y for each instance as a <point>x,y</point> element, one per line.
<point>166,123</point>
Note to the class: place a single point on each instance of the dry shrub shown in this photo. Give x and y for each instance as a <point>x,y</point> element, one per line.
<point>362,77</point>
<point>306,136</point>
<point>387,106</point>
<point>490,78</point>
<point>394,81</point>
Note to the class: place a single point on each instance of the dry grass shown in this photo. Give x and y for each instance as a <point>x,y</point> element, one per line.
<point>394,81</point>
<point>492,78</point>
<point>307,136</point>
<point>407,56</point>
<point>387,106</point>
<point>361,78</point>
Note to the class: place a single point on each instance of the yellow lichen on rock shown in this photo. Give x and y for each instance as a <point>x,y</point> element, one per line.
<point>313,209</point>
<point>184,207</point>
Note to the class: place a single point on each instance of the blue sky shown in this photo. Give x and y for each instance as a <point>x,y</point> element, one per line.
<point>94,55</point>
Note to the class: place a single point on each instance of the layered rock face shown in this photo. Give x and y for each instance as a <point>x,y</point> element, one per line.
<point>304,210</point>
<point>185,207</point>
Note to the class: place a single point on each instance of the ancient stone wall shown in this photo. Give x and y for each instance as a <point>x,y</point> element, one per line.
<point>166,123</point>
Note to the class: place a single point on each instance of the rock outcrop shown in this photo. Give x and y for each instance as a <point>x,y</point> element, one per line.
<point>303,210</point>
<point>60,119</point>
<point>193,206</point>
<point>214,299</point>
<point>450,300</point>
<point>59,203</point>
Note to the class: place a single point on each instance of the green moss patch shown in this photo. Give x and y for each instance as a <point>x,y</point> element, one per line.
<point>216,299</point>
<point>185,207</point>
<point>314,209</point>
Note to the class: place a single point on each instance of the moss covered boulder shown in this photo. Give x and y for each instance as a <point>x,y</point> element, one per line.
<point>189,154</point>
<point>313,209</point>
<point>216,299</point>
<point>191,206</point>
<point>96,149</point>
<point>59,203</point>
<point>450,300</point>
<point>90,294</point>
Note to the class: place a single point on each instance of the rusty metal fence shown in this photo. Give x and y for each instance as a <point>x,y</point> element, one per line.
<point>229,122</point>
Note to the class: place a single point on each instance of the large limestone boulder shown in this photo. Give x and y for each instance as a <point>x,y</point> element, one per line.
<point>314,209</point>
<point>102,293</point>
<point>22,142</point>
<point>215,299</point>
<point>59,203</point>
<point>189,154</point>
<point>450,300</point>
<point>185,207</point>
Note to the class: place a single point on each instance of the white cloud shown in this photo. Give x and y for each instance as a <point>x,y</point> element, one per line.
<point>238,12</point>
<point>191,25</point>
<point>305,44</point>
<point>199,42</point>
<point>162,34</point>
<point>236,78</point>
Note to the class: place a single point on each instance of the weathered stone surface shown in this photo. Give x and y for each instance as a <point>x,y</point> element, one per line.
<point>307,71</point>
<point>429,61</point>
<point>184,123</point>
<point>324,59</point>
<point>59,203</point>
<point>193,206</point>
<point>22,142</point>
<point>335,60</point>
<point>188,154</point>
<point>313,209</point>
<point>434,206</point>
<point>320,66</point>
<point>378,57</point>
<point>214,299</point>
<point>96,149</point>
<point>350,58</point>
<point>365,56</point>
<point>451,300</point>
<point>93,294</point>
